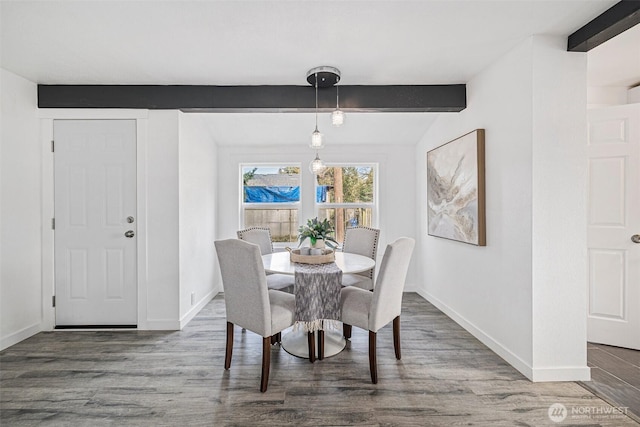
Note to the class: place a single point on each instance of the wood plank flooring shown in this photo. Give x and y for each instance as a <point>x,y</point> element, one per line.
<point>144,378</point>
<point>615,376</point>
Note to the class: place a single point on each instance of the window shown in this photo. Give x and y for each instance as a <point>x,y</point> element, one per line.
<point>271,198</point>
<point>346,195</point>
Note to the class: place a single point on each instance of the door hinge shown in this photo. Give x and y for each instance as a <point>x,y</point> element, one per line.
<point>53,301</point>
<point>53,223</point>
<point>53,146</point>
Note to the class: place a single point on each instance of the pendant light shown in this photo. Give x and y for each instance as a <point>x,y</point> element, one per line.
<point>317,166</point>
<point>317,140</point>
<point>337,117</point>
<point>320,77</point>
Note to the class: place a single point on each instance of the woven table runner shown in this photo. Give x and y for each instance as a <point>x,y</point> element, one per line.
<point>317,291</point>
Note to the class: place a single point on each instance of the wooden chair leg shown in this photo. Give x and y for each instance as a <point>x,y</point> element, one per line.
<point>372,357</point>
<point>396,336</point>
<point>320,344</point>
<point>266,362</point>
<point>346,330</point>
<point>312,346</point>
<point>228,353</point>
<point>276,338</point>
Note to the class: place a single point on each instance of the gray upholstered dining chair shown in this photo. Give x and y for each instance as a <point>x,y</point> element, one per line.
<point>362,241</point>
<point>261,236</point>
<point>248,301</point>
<point>373,310</point>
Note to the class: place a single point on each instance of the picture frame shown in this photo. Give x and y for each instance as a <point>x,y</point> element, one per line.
<point>456,189</point>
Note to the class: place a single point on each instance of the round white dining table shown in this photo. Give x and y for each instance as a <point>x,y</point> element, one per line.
<point>294,340</point>
<point>279,262</point>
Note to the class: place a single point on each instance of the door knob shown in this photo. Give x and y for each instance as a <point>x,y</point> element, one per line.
<point>129,234</point>
<point>635,238</point>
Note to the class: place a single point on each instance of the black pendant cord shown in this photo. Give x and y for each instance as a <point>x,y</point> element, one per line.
<point>316,102</point>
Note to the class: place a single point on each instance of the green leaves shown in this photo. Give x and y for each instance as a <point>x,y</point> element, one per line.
<point>316,229</point>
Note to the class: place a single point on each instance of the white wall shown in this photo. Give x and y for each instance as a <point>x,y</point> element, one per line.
<point>197,210</point>
<point>525,292</point>
<point>604,96</point>
<point>160,243</point>
<point>162,221</point>
<point>27,203</point>
<point>20,198</point>
<point>181,206</point>
<point>633,95</point>
<point>157,211</point>
<point>396,185</point>
<point>559,239</point>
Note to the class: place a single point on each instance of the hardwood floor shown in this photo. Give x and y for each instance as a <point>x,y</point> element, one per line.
<point>143,378</point>
<point>615,376</point>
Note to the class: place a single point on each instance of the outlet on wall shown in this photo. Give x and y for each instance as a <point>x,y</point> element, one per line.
<point>193,298</point>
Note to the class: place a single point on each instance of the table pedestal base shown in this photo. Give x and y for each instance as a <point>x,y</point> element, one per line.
<point>296,344</point>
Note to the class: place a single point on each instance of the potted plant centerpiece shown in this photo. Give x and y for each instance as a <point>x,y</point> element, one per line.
<point>318,233</point>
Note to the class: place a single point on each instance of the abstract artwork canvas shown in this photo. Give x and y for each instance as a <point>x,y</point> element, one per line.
<point>455,190</point>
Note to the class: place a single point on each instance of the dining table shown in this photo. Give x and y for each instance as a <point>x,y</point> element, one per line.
<point>295,339</point>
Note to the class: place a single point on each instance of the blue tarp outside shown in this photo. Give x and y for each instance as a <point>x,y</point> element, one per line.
<point>280,194</point>
<point>321,194</point>
<point>272,194</point>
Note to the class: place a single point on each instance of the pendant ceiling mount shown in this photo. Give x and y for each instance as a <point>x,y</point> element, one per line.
<point>327,76</point>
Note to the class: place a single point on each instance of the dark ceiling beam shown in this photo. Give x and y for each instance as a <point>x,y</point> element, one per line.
<point>618,18</point>
<point>394,98</point>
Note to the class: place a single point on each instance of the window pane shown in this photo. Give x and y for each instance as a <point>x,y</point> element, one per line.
<point>353,184</point>
<point>277,189</point>
<point>343,218</point>
<point>273,184</point>
<point>283,223</point>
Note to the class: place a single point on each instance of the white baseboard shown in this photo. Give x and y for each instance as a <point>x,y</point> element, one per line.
<point>16,337</point>
<point>563,373</point>
<point>160,325</point>
<point>196,308</point>
<point>484,338</point>
<point>151,325</point>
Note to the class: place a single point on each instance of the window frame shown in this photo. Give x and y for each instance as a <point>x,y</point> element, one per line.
<point>372,205</point>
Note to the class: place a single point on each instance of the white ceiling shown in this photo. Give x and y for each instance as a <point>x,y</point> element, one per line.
<point>275,42</point>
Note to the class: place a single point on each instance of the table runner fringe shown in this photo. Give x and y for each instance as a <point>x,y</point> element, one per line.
<point>316,325</point>
<point>332,324</point>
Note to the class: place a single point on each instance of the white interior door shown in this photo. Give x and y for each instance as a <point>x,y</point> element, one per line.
<point>613,220</point>
<point>95,205</point>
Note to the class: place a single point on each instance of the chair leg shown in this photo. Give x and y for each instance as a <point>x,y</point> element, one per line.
<point>346,330</point>
<point>320,344</point>
<point>372,357</point>
<point>228,353</point>
<point>266,362</point>
<point>276,338</point>
<point>312,346</point>
<point>396,337</point>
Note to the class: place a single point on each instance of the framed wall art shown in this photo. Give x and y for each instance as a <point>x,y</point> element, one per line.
<point>455,190</point>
